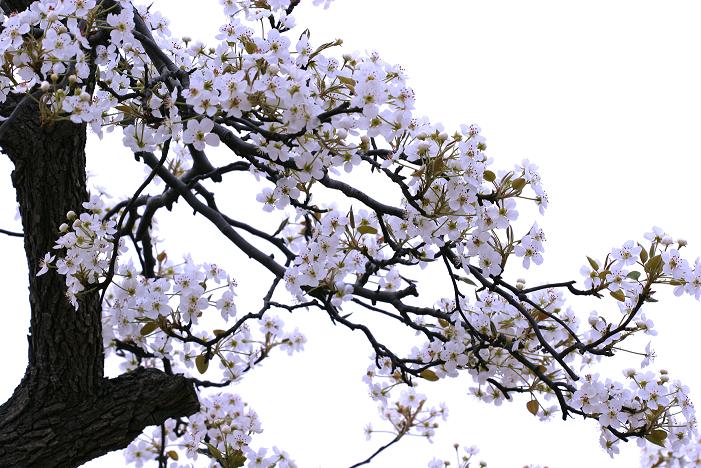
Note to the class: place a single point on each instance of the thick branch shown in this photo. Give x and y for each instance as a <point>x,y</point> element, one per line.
<point>71,432</point>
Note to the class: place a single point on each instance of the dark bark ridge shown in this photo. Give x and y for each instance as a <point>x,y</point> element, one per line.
<point>64,412</point>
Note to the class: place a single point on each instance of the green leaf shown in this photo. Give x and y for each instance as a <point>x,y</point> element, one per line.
<point>217,332</point>
<point>215,452</point>
<point>465,280</point>
<point>618,295</point>
<point>592,262</point>
<point>126,110</point>
<point>654,264</point>
<point>657,437</point>
<point>633,275</point>
<point>351,218</point>
<point>236,459</point>
<point>489,176</point>
<point>365,229</point>
<point>148,328</point>
<point>532,407</point>
<point>349,82</point>
<point>249,45</point>
<point>173,454</point>
<point>519,183</point>
<point>202,363</point>
<point>643,254</point>
<point>429,375</point>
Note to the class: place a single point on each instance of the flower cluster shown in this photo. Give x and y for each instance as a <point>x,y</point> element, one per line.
<point>536,323</point>
<point>222,429</point>
<point>650,404</point>
<point>407,415</point>
<point>86,245</point>
<point>168,317</point>
<point>224,426</point>
<point>464,460</point>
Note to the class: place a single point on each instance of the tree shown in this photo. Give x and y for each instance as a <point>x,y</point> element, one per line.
<point>289,120</point>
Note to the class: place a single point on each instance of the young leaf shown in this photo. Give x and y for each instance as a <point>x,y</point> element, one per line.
<point>202,363</point>
<point>173,454</point>
<point>592,262</point>
<point>235,459</point>
<point>539,316</point>
<point>365,229</point>
<point>532,407</point>
<point>634,275</point>
<point>215,452</point>
<point>518,184</point>
<point>654,264</point>
<point>465,280</point>
<point>643,254</point>
<point>429,375</point>
<point>489,176</point>
<point>618,295</point>
<point>349,82</point>
<point>657,437</point>
<point>148,328</point>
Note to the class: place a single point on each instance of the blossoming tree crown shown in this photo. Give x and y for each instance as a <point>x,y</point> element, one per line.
<point>311,127</point>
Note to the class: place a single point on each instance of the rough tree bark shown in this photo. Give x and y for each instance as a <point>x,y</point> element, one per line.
<point>64,412</point>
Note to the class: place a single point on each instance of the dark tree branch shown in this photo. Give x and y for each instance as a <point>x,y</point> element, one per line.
<point>379,451</point>
<point>11,233</point>
<point>214,217</point>
<point>353,192</point>
<point>72,432</point>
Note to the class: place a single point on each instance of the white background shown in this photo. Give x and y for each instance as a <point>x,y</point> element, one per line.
<point>603,95</point>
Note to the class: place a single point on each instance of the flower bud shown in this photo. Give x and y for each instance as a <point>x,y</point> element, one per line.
<point>72,79</point>
<point>54,77</point>
<point>63,227</point>
<point>71,215</point>
<point>44,86</point>
<point>681,242</point>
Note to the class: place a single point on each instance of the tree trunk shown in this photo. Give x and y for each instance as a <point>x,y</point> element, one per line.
<point>64,412</point>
